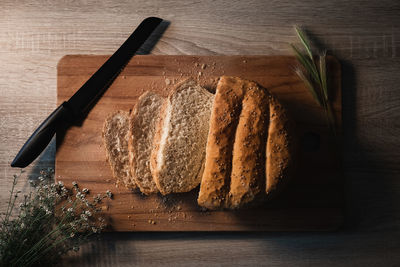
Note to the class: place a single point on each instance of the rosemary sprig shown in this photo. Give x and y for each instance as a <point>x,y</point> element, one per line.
<point>314,75</point>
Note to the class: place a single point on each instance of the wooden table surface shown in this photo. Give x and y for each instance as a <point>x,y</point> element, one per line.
<point>364,35</point>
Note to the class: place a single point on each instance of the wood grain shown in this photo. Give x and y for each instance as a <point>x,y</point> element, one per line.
<point>313,201</point>
<point>364,35</point>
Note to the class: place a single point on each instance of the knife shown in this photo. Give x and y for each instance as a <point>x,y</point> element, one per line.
<point>79,104</point>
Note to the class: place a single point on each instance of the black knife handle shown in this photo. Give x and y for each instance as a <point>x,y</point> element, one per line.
<point>42,136</point>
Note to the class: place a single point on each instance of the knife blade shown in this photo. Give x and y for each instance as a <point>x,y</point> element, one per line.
<point>80,103</point>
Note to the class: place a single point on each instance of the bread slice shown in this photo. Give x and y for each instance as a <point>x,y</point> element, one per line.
<point>280,149</point>
<point>225,114</point>
<point>179,144</point>
<point>115,139</point>
<point>248,156</point>
<point>142,123</point>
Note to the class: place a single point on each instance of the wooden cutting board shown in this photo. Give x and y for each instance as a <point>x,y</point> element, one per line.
<point>312,202</point>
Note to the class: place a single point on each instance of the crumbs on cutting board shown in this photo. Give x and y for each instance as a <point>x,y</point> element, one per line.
<point>169,81</point>
<point>206,74</point>
<point>173,207</point>
<point>169,208</point>
<point>104,208</point>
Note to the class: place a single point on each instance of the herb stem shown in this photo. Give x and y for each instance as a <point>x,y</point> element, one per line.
<point>8,213</point>
<point>314,77</point>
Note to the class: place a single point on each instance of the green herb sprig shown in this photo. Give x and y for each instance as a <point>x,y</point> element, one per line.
<point>313,72</point>
<point>51,221</point>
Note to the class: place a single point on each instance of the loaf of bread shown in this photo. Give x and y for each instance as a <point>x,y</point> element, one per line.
<point>178,154</point>
<point>142,122</point>
<point>115,139</point>
<point>247,126</point>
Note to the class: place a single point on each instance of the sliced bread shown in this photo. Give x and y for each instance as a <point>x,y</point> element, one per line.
<point>280,149</point>
<point>248,156</point>
<point>142,123</point>
<point>177,159</point>
<point>115,139</point>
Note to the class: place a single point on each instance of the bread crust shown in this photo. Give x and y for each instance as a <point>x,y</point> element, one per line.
<point>226,108</point>
<point>280,149</point>
<point>131,149</point>
<point>146,186</point>
<point>122,177</point>
<point>248,168</point>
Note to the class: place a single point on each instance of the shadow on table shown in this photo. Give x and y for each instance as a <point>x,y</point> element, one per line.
<point>371,200</point>
<point>44,161</point>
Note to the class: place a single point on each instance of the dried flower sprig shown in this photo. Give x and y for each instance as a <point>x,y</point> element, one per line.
<point>313,72</point>
<point>51,221</point>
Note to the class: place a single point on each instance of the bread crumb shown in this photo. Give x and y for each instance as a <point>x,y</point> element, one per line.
<point>199,74</point>
<point>124,77</point>
<point>167,81</point>
<point>203,66</point>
